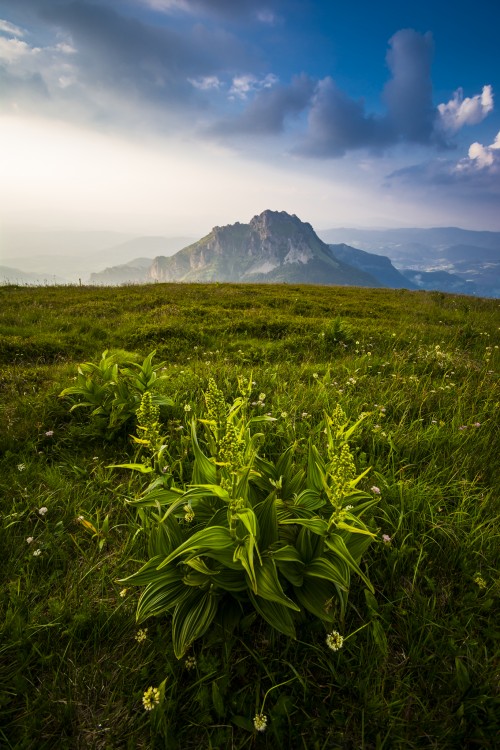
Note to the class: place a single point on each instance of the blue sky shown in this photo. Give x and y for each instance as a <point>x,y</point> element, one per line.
<point>168,116</point>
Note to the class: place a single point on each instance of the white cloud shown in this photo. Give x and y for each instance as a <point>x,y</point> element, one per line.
<point>482,158</point>
<point>469,111</point>
<point>246,84</point>
<point>13,50</point>
<point>205,83</point>
<point>266,16</point>
<point>10,28</point>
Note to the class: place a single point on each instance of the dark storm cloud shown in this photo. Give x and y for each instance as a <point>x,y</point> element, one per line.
<point>127,52</point>
<point>268,110</point>
<point>338,123</point>
<point>408,95</point>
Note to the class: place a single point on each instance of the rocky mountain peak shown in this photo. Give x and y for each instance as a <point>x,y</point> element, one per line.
<point>273,247</point>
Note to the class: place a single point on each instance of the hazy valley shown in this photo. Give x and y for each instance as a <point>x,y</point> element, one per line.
<point>273,247</point>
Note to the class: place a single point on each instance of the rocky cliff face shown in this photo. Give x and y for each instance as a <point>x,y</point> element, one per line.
<point>275,246</point>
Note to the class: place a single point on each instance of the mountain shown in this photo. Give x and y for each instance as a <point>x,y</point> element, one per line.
<point>133,272</point>
<point>16,276</point>
<point>379,266</point>
<point>273,247</point>
<point>75,255</point>
<point>473,257</point>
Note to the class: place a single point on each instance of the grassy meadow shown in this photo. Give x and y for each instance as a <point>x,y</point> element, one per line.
<point>419,665</point>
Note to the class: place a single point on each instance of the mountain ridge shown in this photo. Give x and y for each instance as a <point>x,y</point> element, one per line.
<point>273,247</point>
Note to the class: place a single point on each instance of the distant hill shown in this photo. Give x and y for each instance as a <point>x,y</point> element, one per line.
<point>133,272</point>
<point>274,247</point>
<point>16,276</point>
<point>379,266</point>
<point>76,255</point>
<point>473,257</point>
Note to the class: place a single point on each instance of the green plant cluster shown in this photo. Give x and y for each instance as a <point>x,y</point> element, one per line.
<point>112,389</point>
<point>247,534</point>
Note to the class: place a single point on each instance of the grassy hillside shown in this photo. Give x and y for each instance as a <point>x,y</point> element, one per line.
<point>418,667</point>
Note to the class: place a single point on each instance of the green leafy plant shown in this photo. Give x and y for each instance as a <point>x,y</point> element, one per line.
<point>113,388</point>
<point>247,534</point>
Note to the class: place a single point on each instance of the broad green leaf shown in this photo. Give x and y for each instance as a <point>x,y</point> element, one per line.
<point>317,596</point>
<point>315,472</point>
<point>206,490</point>
<point>292,571</point>
<point>284,463</point>
<point>134,467</point>
<point>354,529</point>
<point>165,537</point>
<point>337,545</point>
<point>244,554</point>
<point>309,499</point>
<point>248,519</point>
<point>268,585</point>
<point>288,553</point>
<point>316,525</point>
<point>144,575</point>
<point>192,618</point>
<point>231,580</point>
<point>197,563</point>
<point>268,521</point>
<point>204,471</point>
<point>294,484</point>
<point>212,538</point>
<point>277,615</point>
<point>357,544</point>
<point>161,596</point>
<point>322,567</point>
<point>309,545</point>
<point>156,498</point>
<point>217,700</point>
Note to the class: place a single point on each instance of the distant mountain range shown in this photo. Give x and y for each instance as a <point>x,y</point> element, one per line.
<point>74,256</point>
<point>443,258</point>
<point>276,247</point>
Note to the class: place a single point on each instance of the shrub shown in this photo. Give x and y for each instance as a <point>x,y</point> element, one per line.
<point>113,388</point>
<point>279,539</point>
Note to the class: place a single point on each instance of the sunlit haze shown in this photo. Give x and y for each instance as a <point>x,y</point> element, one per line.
<point>166,117</point>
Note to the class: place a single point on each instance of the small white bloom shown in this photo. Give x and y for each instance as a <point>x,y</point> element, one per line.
<point>386,539</point>
<point>30,540</point>
<point>42,511</point>
<point>21,467</point>
<point>37,553</point>
<point>260,722</point>
<point>334,640</point>
<point>49,433</point>
<point>374,489</point>
<point>151,698</point>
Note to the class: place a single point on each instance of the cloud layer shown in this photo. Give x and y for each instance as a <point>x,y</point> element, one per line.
<point>120,68</point>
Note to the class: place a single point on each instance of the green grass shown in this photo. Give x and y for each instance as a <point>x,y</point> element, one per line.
<point>421,666</point>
